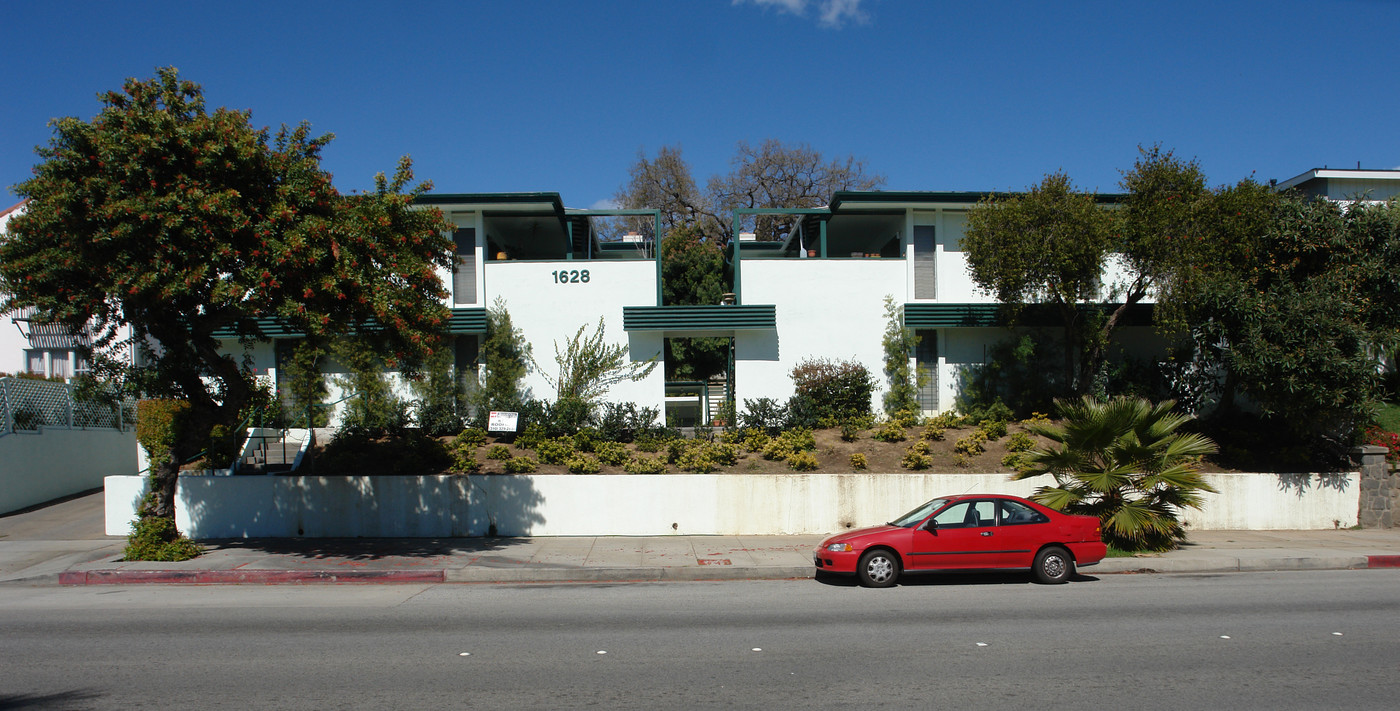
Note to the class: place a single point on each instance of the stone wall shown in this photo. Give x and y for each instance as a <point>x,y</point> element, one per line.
<point>1380,488</point>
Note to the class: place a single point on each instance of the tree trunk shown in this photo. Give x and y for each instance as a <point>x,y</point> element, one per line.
<point>163,479</point>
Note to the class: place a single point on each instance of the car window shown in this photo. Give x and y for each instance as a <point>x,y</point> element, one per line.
<point>967,514</point>
<point>918,514</point>
<point>1015,513</point>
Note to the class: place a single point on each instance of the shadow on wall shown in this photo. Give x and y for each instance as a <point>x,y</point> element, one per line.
<point>319,507</point>
<point>1301,483</point>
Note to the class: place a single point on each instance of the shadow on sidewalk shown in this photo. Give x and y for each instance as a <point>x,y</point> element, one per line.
<point>359,548</point>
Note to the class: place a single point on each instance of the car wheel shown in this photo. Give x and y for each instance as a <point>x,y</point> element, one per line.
<point>878,569</point>
<point>1053,565</point>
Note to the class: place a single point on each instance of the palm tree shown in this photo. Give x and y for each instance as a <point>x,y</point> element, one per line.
<point>1124,462</point>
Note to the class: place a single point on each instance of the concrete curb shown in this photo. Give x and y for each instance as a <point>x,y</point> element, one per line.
<point>483,574</point>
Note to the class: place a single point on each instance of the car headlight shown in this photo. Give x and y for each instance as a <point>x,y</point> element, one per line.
<point>839,547</point>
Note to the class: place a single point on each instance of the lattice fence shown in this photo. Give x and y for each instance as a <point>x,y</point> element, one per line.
<point>29,405</point>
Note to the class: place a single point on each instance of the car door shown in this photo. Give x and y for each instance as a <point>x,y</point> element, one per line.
<point>1021,533</point>
<point>963,538</point>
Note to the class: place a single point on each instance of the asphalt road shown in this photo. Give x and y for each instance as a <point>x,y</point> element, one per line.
<point>1241,641</point>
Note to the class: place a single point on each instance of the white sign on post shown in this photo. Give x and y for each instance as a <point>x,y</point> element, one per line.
<point>502,421</point>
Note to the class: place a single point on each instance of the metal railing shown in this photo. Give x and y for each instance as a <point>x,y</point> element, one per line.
<point>32,405</point>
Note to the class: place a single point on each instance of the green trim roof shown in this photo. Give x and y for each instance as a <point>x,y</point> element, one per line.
<point>925,315</point>
<point>700,319</point>
<point>461,321</point>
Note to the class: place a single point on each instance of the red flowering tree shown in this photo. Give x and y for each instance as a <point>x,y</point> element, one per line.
<point>159,224</point>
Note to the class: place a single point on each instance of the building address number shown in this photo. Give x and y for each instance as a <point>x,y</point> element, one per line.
<point>571,276</point>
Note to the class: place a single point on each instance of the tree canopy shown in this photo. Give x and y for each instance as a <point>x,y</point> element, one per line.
<point>163,227</point>
<point>771,174</point>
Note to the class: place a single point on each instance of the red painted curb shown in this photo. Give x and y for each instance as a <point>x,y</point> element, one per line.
<point>246,577</point>
<point>1383,561</point>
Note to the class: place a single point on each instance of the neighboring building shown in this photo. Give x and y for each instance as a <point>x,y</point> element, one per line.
<point>1346,185</point>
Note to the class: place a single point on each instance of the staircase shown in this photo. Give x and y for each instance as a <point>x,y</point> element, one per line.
<point>270,451</point>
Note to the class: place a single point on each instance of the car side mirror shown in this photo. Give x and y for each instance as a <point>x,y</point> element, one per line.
<point>931,525</point>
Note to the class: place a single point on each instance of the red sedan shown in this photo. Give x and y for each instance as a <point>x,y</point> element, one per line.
<point>969,532</point>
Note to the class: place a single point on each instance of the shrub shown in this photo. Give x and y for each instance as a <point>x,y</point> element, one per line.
<point>859,463</point>
<point>971,445</point>
<point>156,538</point>
<point>961,460</point>
<point>850,431</point>
<point>521,465</point>
<point>586,439</point>
<point>555,451</point>
<point>498,451</point>
<point>405,453</point>
<point>898,343</point>
<point>788,443</point>
<point>441,401</point>
<point>1015,461</point>
<point>994,429</point>
<point>645,465</point>
<point>464,456</point>
<point>696,459</point>
<point>584,464</point>
<point>755,439</point>
<point>996,412</point>
<point>613,454</point>
<point>625,422</point>
<point>917,457</point>
<point>907,417</point>
<point>650,443</point>
<point>531,436</point>
<point>890,431</point>
<point>157,425</point>
<point>835,390</point>
<point>1380,438</point>
<point>472,437</point>
<point>725,454</point>
<point>732,436</point>
<point>1020,442</point>
<point>933,433</point>
<point>764,414</point>
<point>803,461</point>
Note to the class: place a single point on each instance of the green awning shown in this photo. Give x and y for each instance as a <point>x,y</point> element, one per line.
<point>925,315</point>
<point>716,320</point>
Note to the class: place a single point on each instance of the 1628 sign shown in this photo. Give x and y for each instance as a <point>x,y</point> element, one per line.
<point>571,276</point>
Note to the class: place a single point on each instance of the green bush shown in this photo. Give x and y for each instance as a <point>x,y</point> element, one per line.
<point>835,390</point>
<point>917,457</point>
<point>464,456</point>
<point>933,433</point>
<point>725,454</point>
<point>521,465</point>
<point>755,439</point>
<point>764,414</point>
<point>1020,442</point>
<point>584,464</point>
<point>156,538</point>
<point>696,458</point>
<point>531,436</point>
<point>498,451</point>
<point>803,461</point>
<point>788,443</point>
<point>157,425</point>
<point>555,451</point>
<point>645,465</point>
<point>404,453</point>
<point>613,454</point>
<point>859,463</point>
<point>650,443</point>
<point>625,422</point>
<point>890,431</point>
<point>971,445</point>
<point>472,437</point>
<point>994,429</point>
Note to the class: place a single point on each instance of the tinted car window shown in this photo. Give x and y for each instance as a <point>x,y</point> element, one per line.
<point>1015,513</point>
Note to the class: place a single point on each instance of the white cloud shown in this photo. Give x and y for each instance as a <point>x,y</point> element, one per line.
<point>604,204</point>
<point>829,13</point>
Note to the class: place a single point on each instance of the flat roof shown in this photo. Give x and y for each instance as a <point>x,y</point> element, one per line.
<point>1351,173</point>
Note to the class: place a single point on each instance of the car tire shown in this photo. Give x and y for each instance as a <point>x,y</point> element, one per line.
<point>1053,565</point>
<point>878,568</point>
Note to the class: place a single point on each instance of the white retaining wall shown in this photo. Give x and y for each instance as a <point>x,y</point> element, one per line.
<point>650,505</point>
<point>37,467</point>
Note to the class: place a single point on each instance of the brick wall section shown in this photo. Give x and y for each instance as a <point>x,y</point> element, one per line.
<point>1380,488</point>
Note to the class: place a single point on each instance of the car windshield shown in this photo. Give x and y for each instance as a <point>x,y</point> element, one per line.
<point>918,514</point>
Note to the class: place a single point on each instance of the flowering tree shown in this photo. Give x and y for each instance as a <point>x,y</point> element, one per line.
<point>162,226</point>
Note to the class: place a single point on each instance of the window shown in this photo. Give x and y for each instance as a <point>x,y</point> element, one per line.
<point>1014,513</point>
<point>967,514</point>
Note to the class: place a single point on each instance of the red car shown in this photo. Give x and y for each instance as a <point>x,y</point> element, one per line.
<point>969,532</point>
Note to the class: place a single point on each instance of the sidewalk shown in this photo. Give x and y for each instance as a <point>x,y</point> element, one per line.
<point>32,552</point>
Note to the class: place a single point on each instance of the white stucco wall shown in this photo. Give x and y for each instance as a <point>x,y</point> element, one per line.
<point>549,312</point>
<point>650,505</point>
<point>39,467</point>
<point>826,308</point>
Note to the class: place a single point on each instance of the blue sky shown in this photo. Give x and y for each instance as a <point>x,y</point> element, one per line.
<point>561,96</point>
